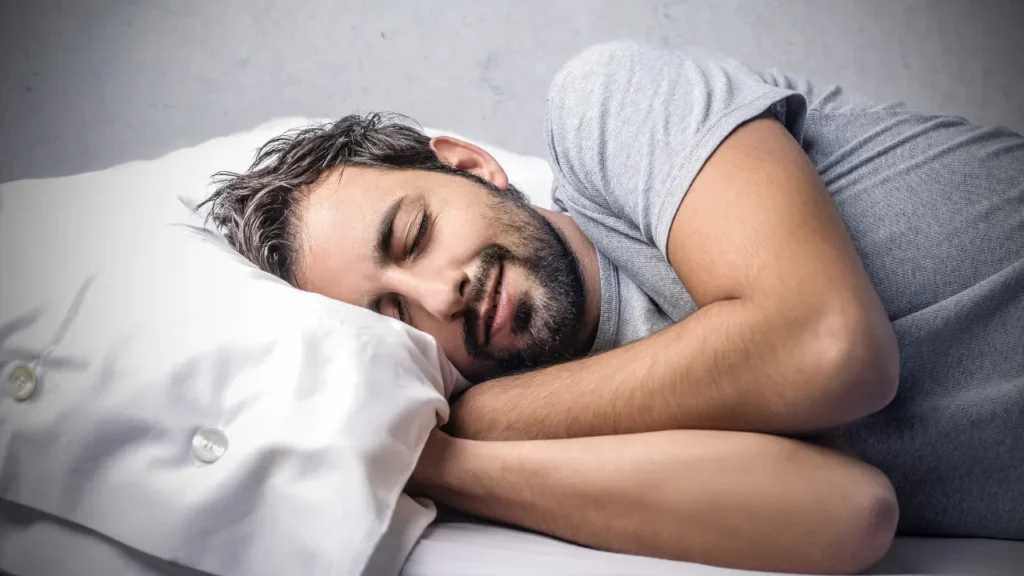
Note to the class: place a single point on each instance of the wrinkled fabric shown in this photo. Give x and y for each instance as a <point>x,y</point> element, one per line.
<point>144,328</point>
<point>935,207</point>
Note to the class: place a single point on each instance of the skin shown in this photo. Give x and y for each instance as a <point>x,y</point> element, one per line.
<point>790,336</point>
<point>666,446</point>
<point>340,219</point>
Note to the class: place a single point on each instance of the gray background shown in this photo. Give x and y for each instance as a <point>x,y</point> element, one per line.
<point>91,83</point>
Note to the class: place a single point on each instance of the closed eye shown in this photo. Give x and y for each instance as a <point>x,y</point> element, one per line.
<point>421,234</point>
<point>390,305</point>
<point>400,312</point>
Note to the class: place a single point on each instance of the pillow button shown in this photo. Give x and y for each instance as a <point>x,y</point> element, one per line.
<point>209,444</point>
<point>22,382</point>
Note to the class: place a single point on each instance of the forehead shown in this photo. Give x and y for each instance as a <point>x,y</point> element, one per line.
<point>338,220</point>
<point>347,201</point>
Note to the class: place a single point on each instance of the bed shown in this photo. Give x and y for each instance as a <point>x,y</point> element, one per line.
<point>453,545</point>
<point>468,548</point>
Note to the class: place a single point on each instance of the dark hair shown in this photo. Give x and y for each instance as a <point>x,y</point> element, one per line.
<point>256,210</point>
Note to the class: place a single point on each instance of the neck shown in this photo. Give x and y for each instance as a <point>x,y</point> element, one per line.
<point>586,254</point>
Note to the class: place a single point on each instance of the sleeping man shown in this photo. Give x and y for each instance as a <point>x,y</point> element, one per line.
<point>761,314</point>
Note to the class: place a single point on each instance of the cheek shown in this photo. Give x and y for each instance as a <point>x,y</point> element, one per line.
<point>468,232</point>
<point>449,337</point>
<point>455,351</point>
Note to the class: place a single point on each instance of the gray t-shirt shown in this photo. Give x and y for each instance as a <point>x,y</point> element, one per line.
<point>935,207</point>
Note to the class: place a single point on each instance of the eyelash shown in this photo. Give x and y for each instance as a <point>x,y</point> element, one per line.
<point>420,234</point>
<point>417,241</point>
<point>400,310</point>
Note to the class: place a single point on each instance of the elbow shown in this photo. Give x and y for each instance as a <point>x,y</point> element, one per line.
<point>875,516</point>
<point>859,357</point>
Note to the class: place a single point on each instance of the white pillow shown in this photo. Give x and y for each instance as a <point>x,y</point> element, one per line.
<point>155,344</point>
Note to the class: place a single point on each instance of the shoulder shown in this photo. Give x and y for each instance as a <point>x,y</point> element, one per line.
<point>612,88</point>
<point>580,89</point>
<point>621,58</point>
<point>611,65</point>
<point>600,59</point>
<point>603,94</point>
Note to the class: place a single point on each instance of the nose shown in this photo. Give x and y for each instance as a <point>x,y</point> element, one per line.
<point>442,294</point>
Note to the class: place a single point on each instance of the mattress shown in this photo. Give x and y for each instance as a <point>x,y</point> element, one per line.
<point>467,548</point>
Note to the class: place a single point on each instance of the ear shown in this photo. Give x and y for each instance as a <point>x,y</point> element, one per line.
<point>462,155</point>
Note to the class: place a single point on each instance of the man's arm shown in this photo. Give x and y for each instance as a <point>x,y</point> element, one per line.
<point>731,499</point>
<point>789,337</point>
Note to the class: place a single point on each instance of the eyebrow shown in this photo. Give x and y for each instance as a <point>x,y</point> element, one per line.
<point>385,230</point>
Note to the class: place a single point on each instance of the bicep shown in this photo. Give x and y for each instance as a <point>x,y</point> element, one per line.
<point>758,223</point>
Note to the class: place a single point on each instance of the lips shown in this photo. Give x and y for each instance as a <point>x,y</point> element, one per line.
<point>502,315</point>
<point>490,307</point>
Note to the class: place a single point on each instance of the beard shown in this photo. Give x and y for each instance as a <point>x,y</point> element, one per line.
<point>546,320</point>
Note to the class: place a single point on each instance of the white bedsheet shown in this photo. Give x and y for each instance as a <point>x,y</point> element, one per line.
<point>477,549</point>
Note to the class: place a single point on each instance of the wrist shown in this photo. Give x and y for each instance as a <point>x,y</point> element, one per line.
<point>445,465</point>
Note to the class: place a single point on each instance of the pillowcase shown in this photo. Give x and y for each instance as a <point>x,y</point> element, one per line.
<point>163,392</point>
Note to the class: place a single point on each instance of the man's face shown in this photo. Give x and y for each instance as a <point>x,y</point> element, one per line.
<point>488,277</point>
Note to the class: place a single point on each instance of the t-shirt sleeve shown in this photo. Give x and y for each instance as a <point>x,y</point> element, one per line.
<point>629,126</point>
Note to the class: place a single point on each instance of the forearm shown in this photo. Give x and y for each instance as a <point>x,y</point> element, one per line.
<point>725,498</point>
<point>732,365</point>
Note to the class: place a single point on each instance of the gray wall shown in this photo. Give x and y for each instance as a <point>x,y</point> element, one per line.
<point>91,83</point>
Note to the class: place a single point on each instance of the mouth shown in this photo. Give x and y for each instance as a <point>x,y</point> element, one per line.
<point>491,307</point>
